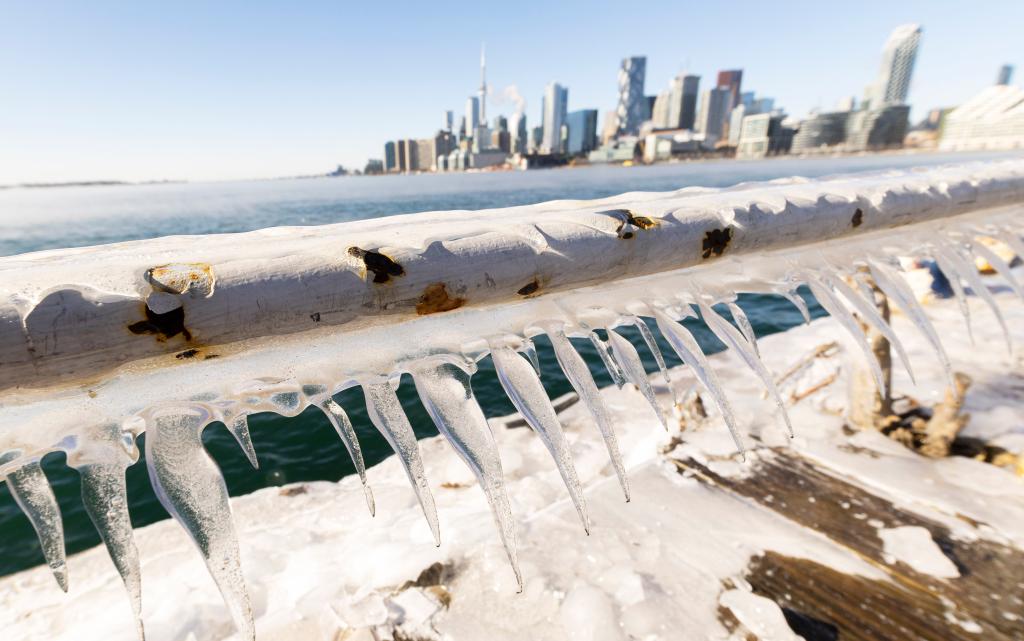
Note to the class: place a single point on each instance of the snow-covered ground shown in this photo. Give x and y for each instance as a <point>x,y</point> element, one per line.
<point>664,566</point>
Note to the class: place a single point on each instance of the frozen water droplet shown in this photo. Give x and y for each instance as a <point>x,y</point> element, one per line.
<point>448,397</point>
<point>686,346</point>
<point>387,416</point>
<point>576,370</point>
<point>34,496</point>
<point>964,268</point>
<point>606,357</point>
<point>190,487</point>
<point>239,428</point>
<point>633,368</point>
<point>526,392</point>
<point>893,285</point>
<point>744,324</point>
<point>343,426</point>
<point>731,337</point>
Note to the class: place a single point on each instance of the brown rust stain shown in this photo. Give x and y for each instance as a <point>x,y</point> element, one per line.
<point>858,218</point>
<point>530,288</point>
<point>183,278</point>
<point>163,326</point>
<point>436,299</point>
<point>383,267</point>
<point>628,218</point>
<point>715,242</point>
<point>187,354</point>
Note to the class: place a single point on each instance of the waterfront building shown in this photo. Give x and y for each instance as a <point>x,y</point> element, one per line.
<point>401,156</point>
<point>536,138</point>
<point>486,158</point>
<point>994,119</point>
<point>501,140</point>
<point>749,106</point>
<point>682,107</point>
<point>877,128</point>
<point>632,101</point>
<point>555,103</point>
<point>714,109</point>
<point>620,150</point>
<point>448,118</point>
<point>893,82</point>
<point>472,115</point>
<point>582,127</point>
<point>1005,75</point>
<point>373,167</point>
<point>443,144</point>
<point>390,157</point>
<point>731,79</point>
<point>519,133</point>
<point>659,114</point>
<point>462,127</point>
<point>821,132</point>
<point>764,135</point>
<point>664,145</point>
<point>610,128</point>
<point>849,103</point>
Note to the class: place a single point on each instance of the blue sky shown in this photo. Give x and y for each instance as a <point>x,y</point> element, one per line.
<point>258,89</point>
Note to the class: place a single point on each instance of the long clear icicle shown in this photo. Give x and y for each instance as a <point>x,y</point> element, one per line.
<point>530,350</point>
<point>744,324</point>
<point>633,369</point>
<point>606,357</point>
<point>343,426</point>
<point>578,373</point>
<point>387,416</point>
<point>35,497</point>
<point>102,464</point>
<point>447,395</point>
<point>731,337</point>
<point>958,291</point>
<point>1000,266</point>
<point>239,428</point>
<point>686,346</point>
<point>966,270</point>
<point>893,285</point>
<point>652,346</point>
<point>189,485</point>
<point>524,389</point>
<point>870,312</point>
<point>839,312</point>
<point>794,297</point>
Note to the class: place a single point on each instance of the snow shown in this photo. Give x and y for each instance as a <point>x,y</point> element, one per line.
<point>659,567</point>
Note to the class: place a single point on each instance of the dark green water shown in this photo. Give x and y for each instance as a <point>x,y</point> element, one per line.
<point>306,448</point>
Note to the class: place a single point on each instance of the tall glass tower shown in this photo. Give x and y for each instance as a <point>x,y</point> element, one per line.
<point>631,107</point>
<point>898,56</point>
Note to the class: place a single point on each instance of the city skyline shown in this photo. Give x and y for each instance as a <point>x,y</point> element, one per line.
<point>208,112</point>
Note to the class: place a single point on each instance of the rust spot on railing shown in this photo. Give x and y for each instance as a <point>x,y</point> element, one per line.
<point>383,267</point>
<point>529,288</point>
<point>715,242</point>
<point>858,218</point>
<point>436,299</point>
<point>629,222</point>
<point>164,326</point>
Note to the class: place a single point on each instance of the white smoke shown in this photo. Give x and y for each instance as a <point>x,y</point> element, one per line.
<point>511,95</point>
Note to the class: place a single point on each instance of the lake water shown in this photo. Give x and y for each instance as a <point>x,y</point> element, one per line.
<point>305,448</point>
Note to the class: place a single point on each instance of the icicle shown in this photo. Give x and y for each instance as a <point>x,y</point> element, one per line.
<point>958,291</point>
<point>633,368</point>
<point>576,370</point>
<point>893,285</point>
<point>526,392</point>
<point>744,324</point>
<point>102,464</point>
<point>843,316</point>
<point>731,337</point>
<point>652,346</point>
<point>686,346</point>
<point>1000,266</point>
<point>190,487</point>
<point>530,350</point>
<point>965,269</point>
<point>239,428</point>
<point>870,312</point>
<point>793,296</point>
<point>609,362</point>
<point>343,426</point>
<point>34,496</point>
<point>388,417</point>
<point>448,397</point>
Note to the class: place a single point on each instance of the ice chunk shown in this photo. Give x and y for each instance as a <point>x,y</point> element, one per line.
<point>343,426</point>
<point>448,397</point>
<point>633,368</point>
<point>386,414</point>
<point>34,496</point>
<point>576,370</point>
<point>190,487</point>
<point>686,346</point>
<point>744,324</point>
<point>731,337</point>
<point>526,392</point>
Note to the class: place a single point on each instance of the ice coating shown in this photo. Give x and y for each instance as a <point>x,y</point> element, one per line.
<point>32,491</point>
<point>447,395</point>
<point>731,337</point>
<point>386,414</point>
<point>958,292</point>
<point>606,357</point>
<point>965,269</point>
<point>239,428</point>
<point>526,392</point>
<point>530,350</point>
<point>633,369</point>
<point>652,346</point>
<point>743,323</point>
<point>686,346</point>
<point>836,309</point>
<point>343,426</point>
<point>189,485</point>
<point>893,285</point>
<point>576,370</point>
<point>868,310</point>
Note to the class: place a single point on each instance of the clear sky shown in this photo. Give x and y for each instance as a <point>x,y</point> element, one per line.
<point>211,91</point>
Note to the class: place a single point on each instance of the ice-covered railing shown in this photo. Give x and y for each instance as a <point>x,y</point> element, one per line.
<point>166,336</point>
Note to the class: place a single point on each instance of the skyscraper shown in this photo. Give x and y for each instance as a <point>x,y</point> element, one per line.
<point>483,86</point>
<point>556,99</point>
<point>714,108</point>
<point>472,115</point>
<point>893,82</point>
<point>1005,75</point>
<point>632,102</point>
<point>448,118</point>
<point>519,133</point>
<point>582,132</point>
<point>731,79</point>
<point>682,104</point>
<point>390,157</point>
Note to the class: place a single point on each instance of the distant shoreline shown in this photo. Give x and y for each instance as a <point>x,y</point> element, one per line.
<point>90,183</point>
